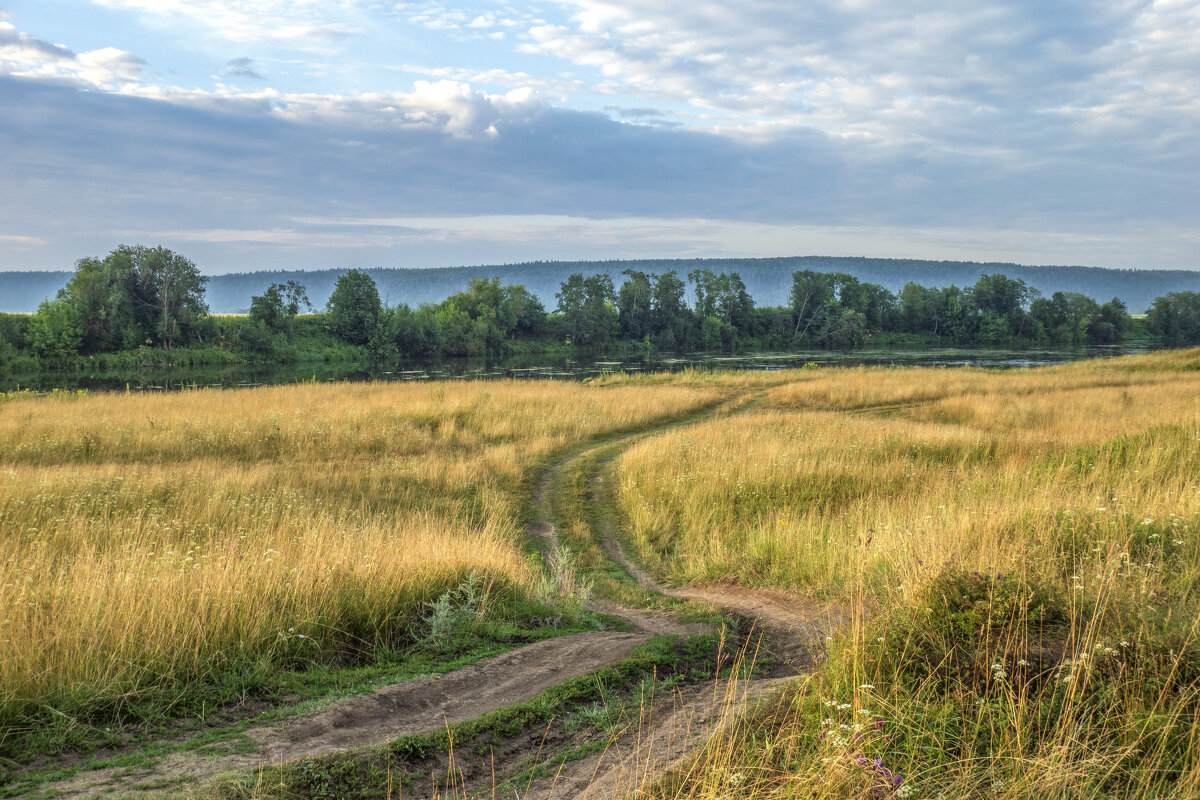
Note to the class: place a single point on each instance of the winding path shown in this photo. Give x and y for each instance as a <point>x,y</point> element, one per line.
<point>675,726</point>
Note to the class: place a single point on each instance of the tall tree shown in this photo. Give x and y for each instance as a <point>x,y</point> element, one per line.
<point>1174,319</point>
<point>671,319</point>
<point>174,287</point>
<point>1110,324</point>
<point>588,307</point>
<point>810,292</point>
<point>522,312</point>
<point>1001,304</point>
<point>635,302</point>
<point>354,307</point>
<point>136,295</point>
<point>102,291</point>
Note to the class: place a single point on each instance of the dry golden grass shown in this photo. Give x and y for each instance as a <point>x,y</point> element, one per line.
<point>1021,551</point>
<point>152,543</point>
<point>793,493</point>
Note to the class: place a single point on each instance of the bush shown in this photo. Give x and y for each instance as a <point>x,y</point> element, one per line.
<point>55,332</point>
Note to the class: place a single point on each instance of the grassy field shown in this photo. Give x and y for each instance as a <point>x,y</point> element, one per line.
<point>1019,552</point>
<point>160,554</point>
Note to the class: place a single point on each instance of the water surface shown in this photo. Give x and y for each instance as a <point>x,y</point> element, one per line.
<point>535,366</point>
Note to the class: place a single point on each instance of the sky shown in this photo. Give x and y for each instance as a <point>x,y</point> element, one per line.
<point>266,134</point>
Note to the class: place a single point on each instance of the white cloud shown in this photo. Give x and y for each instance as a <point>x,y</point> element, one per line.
<point>317,25</point>
<point>24,56</point>
<point>443,106</point>
<point>18,239</point>
<point>701,236</point>
<point>286,237</point>
<point>893,71</point>
<point>465,23</point>
<point>497,77</point>
<point>998,120</point>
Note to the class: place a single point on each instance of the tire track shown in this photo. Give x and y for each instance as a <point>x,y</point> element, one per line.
<point>795,627</point>
<point>428,704</point>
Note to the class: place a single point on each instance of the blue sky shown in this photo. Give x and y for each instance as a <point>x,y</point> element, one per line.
<point>254,134</point>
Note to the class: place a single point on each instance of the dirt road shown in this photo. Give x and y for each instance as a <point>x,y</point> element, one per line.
<point>671,729</point>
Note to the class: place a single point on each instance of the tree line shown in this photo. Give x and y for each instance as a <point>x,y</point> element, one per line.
<point>152,297</point>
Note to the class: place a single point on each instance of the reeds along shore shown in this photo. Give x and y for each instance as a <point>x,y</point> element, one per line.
<point>1018,553</point>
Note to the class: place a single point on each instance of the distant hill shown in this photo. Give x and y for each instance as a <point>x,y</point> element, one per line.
<point>24,291</point>
<point>767,279</point>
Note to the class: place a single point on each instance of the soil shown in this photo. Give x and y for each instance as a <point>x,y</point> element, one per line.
<point>672,727</point>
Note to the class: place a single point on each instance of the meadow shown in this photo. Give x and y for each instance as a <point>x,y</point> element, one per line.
<point>1015,555</point>
<point>1018,552</point>
<point>160,554</point>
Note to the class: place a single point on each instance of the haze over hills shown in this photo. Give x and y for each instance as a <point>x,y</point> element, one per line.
<point>767,279</point>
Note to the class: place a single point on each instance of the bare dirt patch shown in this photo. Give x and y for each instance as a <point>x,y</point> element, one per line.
<point>669,729</point>
<point>796,625</point>
<point>422,705</point>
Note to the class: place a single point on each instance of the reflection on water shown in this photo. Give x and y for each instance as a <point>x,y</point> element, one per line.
<point>533,366</point>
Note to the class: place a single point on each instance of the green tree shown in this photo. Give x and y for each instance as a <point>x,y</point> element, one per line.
<point>587,306</point>
<point>811,292</point>
<point>671,319</point>
<point>55,331</point>
<point>276,309</point>
<point>635,304</point>
<point>354,308</point>
<point>1001,304</point>
<point>522,312</point>
<point>464,335</point>
<point>1174,319</point>
<point>918,309</point>
<point>1065,316</point>
<point>416,333</point>
<point>723,296</point>
<point>713,333</point>
<point>1111,323</point>
<point>876,304</point>
<point>173,287</point>
<point>733,303</point>
<point>103,293</point>
<point>136,295</point>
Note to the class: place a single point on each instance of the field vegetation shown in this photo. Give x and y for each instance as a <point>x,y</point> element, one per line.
<point>1019,552</point>
<point>160,555</point>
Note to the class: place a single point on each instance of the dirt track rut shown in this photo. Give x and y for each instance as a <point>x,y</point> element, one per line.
<point>430,703</point>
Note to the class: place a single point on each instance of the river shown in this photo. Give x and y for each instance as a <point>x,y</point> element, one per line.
<point>534,366</point>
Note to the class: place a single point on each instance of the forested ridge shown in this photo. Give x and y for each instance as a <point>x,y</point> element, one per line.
<point>768,280</point>
<point>139,300</point>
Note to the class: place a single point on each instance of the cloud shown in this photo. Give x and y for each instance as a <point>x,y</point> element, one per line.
<point>1015,75</point>
<point>26,56</point>
<point>1058,127</point>
<point>16,239</point>
<point>315,26</point>
<point>446,106</point>
<point>465,23</point>
<point>242,68</point>
<point>292,169</point>
<point>497,77</point>
<point>637,113</point>
<point>16,45</point>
